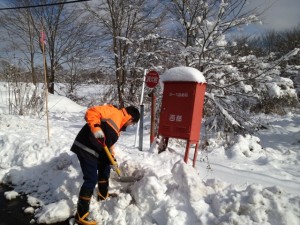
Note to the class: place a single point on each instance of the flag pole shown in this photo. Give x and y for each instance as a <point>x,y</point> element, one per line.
<point>45,79</point>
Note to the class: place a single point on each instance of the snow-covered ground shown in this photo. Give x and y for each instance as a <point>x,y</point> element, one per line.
<point>256,181</point>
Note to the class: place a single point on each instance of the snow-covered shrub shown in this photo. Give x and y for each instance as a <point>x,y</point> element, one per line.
<point>246,146</point>
<point>253,85</point>
<point>275,95</point>
<point>24,99</point>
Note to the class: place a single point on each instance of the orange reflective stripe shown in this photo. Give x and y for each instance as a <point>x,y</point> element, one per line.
<point>85,198</point>
<point>102,181</point>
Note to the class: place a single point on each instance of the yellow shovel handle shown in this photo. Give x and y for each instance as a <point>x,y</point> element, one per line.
<point>112,161</point>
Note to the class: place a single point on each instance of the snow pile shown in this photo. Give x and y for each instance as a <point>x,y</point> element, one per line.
<point>254,205</point>
<point>247,146</point>
<point>9,195</point>
<point>53,212</point>
<point>63,104</point>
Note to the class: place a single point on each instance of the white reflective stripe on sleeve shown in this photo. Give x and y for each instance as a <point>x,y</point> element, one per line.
<point>83,147</point>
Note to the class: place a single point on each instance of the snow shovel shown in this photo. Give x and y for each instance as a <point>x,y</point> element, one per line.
<point>115,167</point>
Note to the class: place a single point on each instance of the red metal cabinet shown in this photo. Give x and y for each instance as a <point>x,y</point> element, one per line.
<point>181,112</point>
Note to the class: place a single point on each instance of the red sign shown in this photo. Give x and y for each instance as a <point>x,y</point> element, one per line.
<point>152,79</point>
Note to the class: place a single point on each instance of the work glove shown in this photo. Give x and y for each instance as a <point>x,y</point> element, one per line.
<point>99,134</point>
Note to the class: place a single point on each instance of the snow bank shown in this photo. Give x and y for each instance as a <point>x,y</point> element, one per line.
<point>54,212</point>
<point>63,104</point>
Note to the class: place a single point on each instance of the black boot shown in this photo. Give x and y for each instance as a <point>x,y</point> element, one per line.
<point>102,189</point>
<point>83,206</point>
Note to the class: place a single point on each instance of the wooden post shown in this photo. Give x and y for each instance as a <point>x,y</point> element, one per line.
<point>42,39</point>
<point>152,129</point>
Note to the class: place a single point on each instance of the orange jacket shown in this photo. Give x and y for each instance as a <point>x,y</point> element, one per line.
<point>116,118</point>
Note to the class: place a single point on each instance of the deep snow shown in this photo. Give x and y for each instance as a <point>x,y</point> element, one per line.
<point>256,181</point>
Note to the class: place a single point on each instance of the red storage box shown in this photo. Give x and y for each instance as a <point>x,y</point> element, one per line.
<point>181,112</point>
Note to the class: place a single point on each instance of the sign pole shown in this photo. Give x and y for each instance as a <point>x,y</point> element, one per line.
<point>151,79</point>
<point>138,134</point>
<point>141,128</point>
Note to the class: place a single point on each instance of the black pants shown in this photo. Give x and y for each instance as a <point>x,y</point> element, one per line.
<point>93,171</point>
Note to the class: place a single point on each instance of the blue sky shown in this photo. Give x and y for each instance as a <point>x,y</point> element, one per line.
<point>282,15</point>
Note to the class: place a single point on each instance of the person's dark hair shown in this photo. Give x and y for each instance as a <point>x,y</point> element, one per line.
<point>134,112</point>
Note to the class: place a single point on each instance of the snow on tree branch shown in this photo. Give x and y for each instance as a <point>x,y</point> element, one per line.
<point>222,110</point>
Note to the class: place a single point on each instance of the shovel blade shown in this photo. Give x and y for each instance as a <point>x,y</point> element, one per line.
<point>128,179</point>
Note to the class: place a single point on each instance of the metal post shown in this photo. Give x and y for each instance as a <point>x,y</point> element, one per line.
<point>141,128</point>
<point>141,103</point>
<point>187,150</point>
<point>195,154</point>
